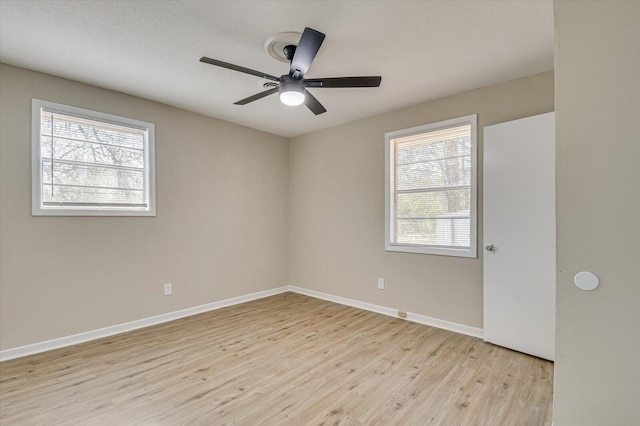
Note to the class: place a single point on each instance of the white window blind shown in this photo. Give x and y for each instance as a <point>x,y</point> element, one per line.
<point>91,162</point>
<point>431,188</point>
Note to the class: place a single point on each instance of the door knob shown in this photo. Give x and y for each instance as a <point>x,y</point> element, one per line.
<point>490,247</point>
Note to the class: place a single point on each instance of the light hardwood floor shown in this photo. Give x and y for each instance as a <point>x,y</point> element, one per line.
<point>284,360</point>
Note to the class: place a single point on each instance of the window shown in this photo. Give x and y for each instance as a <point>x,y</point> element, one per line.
<point>87,163</point>
<point>431,188</point>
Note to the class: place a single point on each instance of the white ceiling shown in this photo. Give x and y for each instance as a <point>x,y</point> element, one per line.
<point>423,50</point>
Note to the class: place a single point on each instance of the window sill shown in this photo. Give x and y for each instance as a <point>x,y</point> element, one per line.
<point>469,253</point>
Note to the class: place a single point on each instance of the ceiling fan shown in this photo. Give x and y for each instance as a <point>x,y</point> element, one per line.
<point>292,87</point>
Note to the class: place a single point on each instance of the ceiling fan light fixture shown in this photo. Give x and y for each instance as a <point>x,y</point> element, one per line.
<point>292,94</point>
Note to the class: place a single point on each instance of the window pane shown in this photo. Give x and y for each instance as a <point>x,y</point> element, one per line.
<point>433,204</point>
<point>91,163</point>
<point>428,147</point>
<point>88,175</point>
<point>83,195</point>
<point>69,127</point>
<point>451,232</point>
<point>91,153</point>
<point>431,180</point>
<point>434,174</point>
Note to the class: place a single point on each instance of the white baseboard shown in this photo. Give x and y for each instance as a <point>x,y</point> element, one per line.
<point>421,319</point>
<point>74,339</point>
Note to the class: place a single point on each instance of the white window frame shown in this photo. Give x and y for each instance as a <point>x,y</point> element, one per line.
<point>37,206</point>
<point>390,214</point>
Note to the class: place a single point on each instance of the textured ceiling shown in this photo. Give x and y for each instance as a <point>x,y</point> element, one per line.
<point>424,50</point>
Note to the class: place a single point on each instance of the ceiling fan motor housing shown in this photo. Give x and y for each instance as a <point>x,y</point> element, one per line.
<point>289,50</point>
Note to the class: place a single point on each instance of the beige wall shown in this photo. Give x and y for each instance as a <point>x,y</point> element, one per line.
<point>233,239</point>
<point>337,208</point>
<point>221,228</point>
<point>597,374</point>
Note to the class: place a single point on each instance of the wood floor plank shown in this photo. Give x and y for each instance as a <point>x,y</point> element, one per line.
<point>283,360</point>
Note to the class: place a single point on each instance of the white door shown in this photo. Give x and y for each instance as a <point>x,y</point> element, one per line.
<point>520,235</point>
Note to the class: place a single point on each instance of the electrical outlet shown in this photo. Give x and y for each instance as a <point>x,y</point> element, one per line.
<point>381,283</point>
<point>168,289</point>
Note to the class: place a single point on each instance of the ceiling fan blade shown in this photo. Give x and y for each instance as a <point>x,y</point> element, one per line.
<point>368,81</point>
<point>238,68</point>
<point>313,104</point>
<point>256,96</point>
<point>306,51</point>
